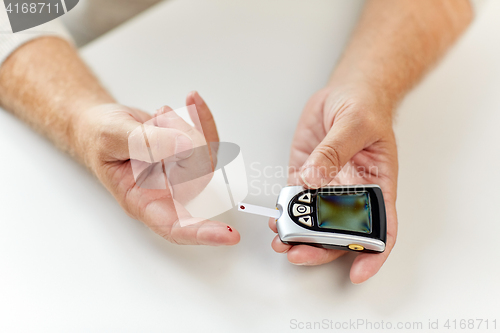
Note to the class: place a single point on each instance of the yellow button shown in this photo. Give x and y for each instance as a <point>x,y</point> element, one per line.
<point>356,247</point>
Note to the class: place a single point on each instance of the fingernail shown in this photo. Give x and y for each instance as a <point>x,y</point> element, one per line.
<point>313,177</point>
<point>183,146</point>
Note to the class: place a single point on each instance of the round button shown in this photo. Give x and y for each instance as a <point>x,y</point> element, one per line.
<point>301,209</point>
<point>356,247</point>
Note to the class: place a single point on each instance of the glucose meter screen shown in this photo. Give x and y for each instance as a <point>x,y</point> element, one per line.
<point>351,212</point>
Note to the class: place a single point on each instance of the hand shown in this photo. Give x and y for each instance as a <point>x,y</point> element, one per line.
<point>102,140</point>
<point>185,169</point>
<point>345,136</point>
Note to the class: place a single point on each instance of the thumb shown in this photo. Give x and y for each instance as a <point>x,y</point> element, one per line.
<point>342,142</point>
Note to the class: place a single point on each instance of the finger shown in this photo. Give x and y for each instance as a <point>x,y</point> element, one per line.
<point>167,118</point>
<point>207,121</point>
<point>272,225</point>
<point>193,111</point>
<point>279,246</point>
<point>347,137</point>
<point>309,255</point>
<point>128,138</point>
<point>164,217</point>
<point>204,123</point>
<point>199,231</point>
<point>367,265</point>
<point>152,144</point>
<point>205,232</point>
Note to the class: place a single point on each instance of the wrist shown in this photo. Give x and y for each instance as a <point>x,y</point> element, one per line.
<point>360,77</point>
<point>366,90</point>
<point>367,96</point>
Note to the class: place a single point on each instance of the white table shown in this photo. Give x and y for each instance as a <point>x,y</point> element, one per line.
<point>71,259</point>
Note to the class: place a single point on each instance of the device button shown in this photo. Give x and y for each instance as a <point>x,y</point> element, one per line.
<point>306,197</point>
<point>306,220</point>
<point>356,247</point>
<point>299,210</point>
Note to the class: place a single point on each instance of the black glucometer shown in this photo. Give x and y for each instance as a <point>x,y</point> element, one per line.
<point>345,217</point>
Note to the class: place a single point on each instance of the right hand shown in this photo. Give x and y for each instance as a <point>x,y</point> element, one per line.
<point>102,142</point>
<point>345,136</point>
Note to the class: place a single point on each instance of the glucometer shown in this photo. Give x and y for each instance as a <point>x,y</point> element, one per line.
<point>344,217</point>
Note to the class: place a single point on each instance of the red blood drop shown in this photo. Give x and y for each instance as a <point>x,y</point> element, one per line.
<point>242,207</point>
<point>229,228</point>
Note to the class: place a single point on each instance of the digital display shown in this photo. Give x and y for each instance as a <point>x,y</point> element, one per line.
<point>350,212</point>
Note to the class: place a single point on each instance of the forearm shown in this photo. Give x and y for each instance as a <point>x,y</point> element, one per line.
<point>46,84</point>
<point>397,41</point>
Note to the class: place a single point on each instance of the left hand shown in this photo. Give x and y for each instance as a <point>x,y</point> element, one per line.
<point>345,136</point>
<point>103,141</point>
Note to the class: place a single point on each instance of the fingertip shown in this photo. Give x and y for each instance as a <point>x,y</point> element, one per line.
<point>298,255</point>
<point>205,120</point>
<point>199,231</point>
<point>190,98</point>
<point>272,225</point>
<point>194,97</point>
<point>164,109</point>
<point>358,276</point>
<point>219,234</point>
<point>279,246</point>
<point>364,267</point>
<point>233,237</point>
<point>313,177</point>
<point>227,236</point>
<point>310,255</point>
<point>198,100</point>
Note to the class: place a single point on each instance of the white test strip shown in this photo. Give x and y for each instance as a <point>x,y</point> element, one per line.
<point>259,210</point>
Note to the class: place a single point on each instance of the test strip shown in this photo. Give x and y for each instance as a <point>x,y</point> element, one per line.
<point>259,210</point>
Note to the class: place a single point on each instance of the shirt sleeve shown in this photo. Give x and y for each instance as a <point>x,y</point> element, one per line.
<point>10,41</point>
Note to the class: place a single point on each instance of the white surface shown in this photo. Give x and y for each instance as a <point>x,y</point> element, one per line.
<point>71,259</point>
